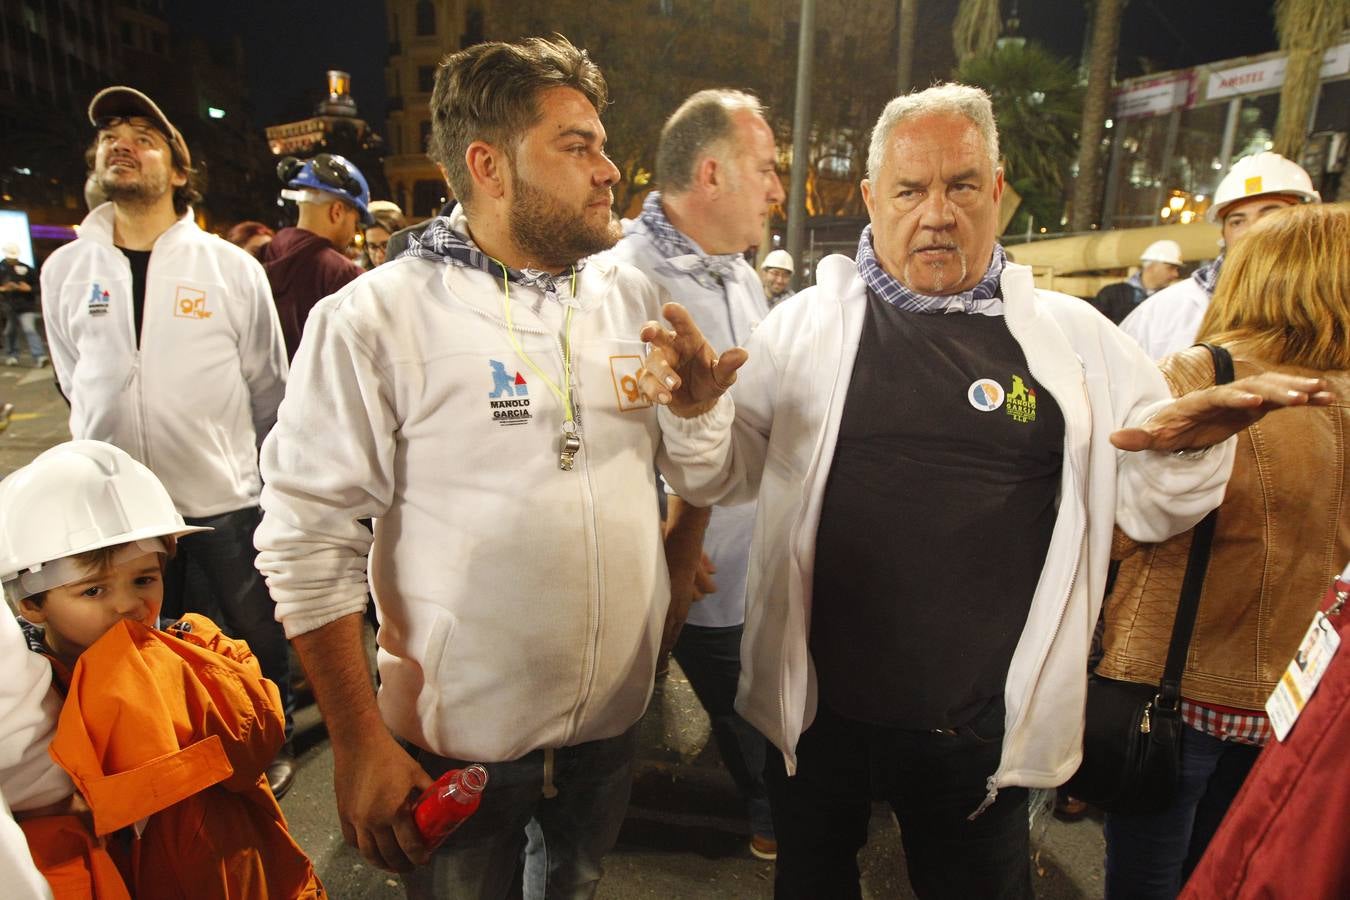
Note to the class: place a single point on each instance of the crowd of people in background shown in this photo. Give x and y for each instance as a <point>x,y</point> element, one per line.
<point>887,525</point>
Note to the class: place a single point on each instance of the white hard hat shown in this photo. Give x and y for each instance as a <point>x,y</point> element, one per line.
<point>76,497</point>
<point>777,259</point>
<point>384,206</point>
<point>1261,173</point>
<point>1163,252</point>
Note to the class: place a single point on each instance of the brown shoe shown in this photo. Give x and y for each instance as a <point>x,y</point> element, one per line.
<point>281,773</point>
<point>1070,809</point>
<point>762,847</point>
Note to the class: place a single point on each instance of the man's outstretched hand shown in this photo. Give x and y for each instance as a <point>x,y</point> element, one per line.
<point>1206,417</point>
<point>682,371</point>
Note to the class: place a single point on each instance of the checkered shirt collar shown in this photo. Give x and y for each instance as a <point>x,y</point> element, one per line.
<point>441,241</point>
<point>1207,276</point>
<point>983,299</point>
<point>709,269</point>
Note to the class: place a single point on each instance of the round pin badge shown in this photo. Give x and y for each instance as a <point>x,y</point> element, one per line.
<point>985,394</point>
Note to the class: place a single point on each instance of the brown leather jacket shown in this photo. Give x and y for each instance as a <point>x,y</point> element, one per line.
<point>1283,533</point>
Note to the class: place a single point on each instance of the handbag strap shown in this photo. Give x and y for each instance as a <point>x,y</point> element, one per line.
<point>1202,537</point>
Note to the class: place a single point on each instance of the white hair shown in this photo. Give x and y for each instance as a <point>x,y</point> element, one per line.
<point>949,99</point>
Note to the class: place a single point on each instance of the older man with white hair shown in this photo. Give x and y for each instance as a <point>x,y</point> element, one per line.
<point>935,447</point>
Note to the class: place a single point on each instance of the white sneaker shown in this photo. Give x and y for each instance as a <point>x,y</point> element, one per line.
<point>41,363</point>
<point>11,360</point>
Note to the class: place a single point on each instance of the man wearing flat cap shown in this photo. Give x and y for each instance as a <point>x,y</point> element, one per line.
<point>165,340</point>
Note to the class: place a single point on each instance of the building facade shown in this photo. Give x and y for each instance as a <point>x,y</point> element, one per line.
<point>1175,134</point>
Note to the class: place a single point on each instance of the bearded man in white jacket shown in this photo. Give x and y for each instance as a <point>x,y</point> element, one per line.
<point>166,343</point>
<point>936,450</point>
<point>477,397</point>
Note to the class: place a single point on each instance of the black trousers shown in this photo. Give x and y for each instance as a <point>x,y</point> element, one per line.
<point>932,780</point>
<point>213,574</point>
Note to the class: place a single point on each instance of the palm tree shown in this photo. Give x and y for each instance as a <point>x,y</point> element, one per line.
<point>1087,188</point>
<point>1307,28</point>
<point>1037,101</point>
<point>906,22</point>
<point>976,28</point>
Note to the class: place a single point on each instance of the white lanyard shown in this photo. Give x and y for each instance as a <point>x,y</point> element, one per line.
<point>571,439</point>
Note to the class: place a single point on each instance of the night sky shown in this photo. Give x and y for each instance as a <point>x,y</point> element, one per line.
<point>289,44</point>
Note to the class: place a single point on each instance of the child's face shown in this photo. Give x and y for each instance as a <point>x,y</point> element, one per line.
<point>76,615</point>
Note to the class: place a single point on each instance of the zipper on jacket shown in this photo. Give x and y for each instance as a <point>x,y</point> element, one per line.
<point>793,540</point>
<point>991,783</point>
<point>597,599</point>
<point>135,384</point>
<point>594,601</point>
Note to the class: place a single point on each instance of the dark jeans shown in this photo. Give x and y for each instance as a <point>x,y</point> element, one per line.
<point>521,844</point>
<point>1151,856</point>
<point>711,658</point>
<point>932,780</point>
<point>213,574</point>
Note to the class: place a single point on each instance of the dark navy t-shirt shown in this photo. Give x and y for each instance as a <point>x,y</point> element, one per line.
<point>936,520</point>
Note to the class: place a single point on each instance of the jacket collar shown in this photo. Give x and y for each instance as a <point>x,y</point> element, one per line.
<point>98,225</point>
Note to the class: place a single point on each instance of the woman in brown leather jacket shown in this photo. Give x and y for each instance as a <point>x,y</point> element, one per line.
<point>1282,304</point>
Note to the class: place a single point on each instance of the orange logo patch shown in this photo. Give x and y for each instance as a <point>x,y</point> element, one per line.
<point>190,303</point>
<point>624,371</point>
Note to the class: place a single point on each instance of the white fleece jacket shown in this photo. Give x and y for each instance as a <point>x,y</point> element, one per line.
<point>29,779</point>
<point>193,400</point>
<point>1167,322</point>
<point>788,402</point>
<point>521,606</point>
<point>727,315</point>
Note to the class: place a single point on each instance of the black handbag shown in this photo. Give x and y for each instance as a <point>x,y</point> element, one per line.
<point>1132,735</point>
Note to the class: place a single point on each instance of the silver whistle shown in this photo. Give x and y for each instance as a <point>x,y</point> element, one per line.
<point>571,445</point>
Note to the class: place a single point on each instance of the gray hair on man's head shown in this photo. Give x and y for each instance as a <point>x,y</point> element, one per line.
<point>702,126</point>
<point>950,99</point>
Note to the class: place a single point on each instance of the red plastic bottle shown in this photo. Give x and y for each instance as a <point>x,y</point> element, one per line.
<point>450,800</point>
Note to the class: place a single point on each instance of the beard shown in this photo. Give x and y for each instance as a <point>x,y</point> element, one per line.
<point>552,234</point>
<point>143,190</point>
<point>935,278</point>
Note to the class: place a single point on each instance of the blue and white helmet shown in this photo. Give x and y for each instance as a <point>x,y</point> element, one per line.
<point>328,173</point>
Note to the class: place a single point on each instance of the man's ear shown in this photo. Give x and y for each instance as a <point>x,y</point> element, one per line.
<point>32,612</point>
<point>337,211</point>
<point>487,167</point>
<point>708,175</point>
<point>866,185</point>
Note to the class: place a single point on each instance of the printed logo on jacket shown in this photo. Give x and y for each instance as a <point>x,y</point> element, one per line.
<point>509,398</point>
<point>98,301</point>
<point>624,371</point>
<point>190,303</point>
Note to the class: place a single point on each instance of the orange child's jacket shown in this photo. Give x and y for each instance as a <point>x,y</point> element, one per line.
<point>169,733</point>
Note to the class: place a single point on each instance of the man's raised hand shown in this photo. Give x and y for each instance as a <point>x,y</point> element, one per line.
<point>682,371</point>
<point>1206,417</point>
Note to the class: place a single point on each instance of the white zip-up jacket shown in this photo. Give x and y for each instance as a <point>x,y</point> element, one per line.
<point>1167,322</point>
<point>788,401</point>
<point>521,606</point>
<point>726,316</point>
<point>195,398</point>
<point>29,779</point>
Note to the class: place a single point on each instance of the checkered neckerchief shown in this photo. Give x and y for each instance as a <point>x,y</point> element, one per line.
<point>1208,275</point>
<point>983,299</point>
<point>714,268</point>
<point>440,241</point>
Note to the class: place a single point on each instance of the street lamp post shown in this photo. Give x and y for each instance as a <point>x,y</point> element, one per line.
<point>801,132</point>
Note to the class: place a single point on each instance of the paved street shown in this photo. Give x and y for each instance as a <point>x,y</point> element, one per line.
<point>685,835</point>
